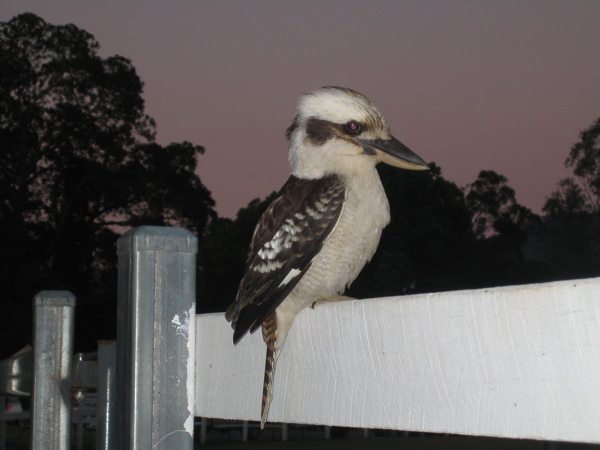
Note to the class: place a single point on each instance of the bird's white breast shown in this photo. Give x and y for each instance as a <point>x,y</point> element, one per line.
<point>349,247</point>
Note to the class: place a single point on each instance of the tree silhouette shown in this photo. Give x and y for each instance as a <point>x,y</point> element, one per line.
<point>79,165</point>
<point>582,193</point>
<point>428,243</point>
<point>495,208</point>
<point>570,239</point>
<point>502,227</point>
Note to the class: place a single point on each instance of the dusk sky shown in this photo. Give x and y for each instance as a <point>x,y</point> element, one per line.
<point>505,86</point>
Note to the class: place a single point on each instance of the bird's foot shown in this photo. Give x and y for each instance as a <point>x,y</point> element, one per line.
<point>337,298</point>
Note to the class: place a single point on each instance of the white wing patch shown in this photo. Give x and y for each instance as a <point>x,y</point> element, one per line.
<point>291,275</point>
<point>268,266</point>
<point>283,239</point>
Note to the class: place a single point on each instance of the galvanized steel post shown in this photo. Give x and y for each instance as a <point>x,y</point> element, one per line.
<point>107,362</point>
<point>155,339</point>
<point>54,318</point>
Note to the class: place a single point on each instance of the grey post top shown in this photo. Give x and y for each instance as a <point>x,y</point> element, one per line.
<point>54,298</point>
<point>157,239</point>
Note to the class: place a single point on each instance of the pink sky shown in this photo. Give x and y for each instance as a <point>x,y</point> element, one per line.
<point>505,86</point>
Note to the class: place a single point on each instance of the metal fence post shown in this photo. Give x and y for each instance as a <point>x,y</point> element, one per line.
<point>155,339</point>
<point>107,361</point>
<point>54,318</point>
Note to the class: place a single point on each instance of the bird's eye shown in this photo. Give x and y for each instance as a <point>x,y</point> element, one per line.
<point>353,127</point>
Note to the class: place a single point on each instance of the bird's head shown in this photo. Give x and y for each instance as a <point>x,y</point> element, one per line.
<point>340,131</point>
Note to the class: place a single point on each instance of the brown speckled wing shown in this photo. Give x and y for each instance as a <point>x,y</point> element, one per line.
<point>286,239</point>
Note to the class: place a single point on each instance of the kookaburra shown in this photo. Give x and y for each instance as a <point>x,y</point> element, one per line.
<point>325,223</point>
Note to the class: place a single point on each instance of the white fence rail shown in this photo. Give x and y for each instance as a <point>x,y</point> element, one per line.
<point>515,362</point>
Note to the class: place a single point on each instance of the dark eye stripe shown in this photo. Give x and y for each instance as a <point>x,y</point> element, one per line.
<point>319,131</point>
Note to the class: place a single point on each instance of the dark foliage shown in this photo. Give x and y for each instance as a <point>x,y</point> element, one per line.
<point>430,231</point>
<point>569,242</point>
<point>79,166</point>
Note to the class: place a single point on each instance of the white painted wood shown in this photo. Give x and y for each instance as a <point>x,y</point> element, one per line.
<point>520,362</point>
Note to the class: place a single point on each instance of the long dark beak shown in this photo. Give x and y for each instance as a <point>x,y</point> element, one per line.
<point>393,152</point>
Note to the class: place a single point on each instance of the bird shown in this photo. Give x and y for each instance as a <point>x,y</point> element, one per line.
<point>324,224</point>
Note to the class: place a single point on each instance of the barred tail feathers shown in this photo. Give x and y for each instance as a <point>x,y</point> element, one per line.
<point>269,329</point>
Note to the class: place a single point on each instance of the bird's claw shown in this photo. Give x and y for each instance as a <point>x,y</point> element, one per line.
<point>339,298</point>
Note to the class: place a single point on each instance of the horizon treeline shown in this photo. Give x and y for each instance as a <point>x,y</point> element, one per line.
<point>81,165</point>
